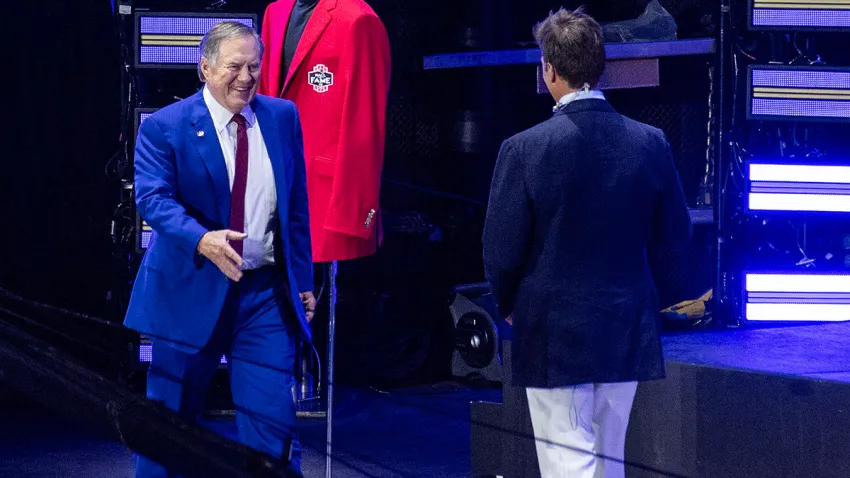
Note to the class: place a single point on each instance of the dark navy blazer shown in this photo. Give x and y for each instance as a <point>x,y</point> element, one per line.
<point>574,202</point>
<point>182,191</point>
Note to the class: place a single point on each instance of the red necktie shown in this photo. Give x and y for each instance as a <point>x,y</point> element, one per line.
<point>240,182</point>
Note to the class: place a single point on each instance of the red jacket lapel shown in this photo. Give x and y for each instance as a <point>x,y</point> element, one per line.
<point>312,31</point>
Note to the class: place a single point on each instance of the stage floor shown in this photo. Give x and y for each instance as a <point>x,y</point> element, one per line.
<point>417,432</point>
<point>425,432</point>
<point>817,351</point>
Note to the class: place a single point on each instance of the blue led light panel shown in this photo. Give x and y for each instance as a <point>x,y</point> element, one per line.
<point>798,93</point>
<point>800,14</point>
<point>139,115</point>
<point>798,187</point>
<point>796,297</point>
<point>145,237</point>
<point>171,40</point>
<point>143,230</point>
<point>146,354</point>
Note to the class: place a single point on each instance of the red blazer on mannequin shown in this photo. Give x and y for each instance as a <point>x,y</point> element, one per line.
<point>339,80</point>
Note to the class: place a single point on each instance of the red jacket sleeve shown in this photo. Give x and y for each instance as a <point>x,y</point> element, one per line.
<point>360,158</point>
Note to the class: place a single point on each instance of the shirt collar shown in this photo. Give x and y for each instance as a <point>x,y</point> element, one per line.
<point>221,116</point>
<point>583,94</point>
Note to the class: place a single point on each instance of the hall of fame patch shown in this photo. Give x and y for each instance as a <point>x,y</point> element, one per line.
<point>320,78</point>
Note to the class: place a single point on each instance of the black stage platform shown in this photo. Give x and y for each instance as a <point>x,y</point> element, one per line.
<point>736,403</point>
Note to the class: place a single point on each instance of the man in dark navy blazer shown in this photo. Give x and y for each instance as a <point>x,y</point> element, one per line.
<point>220,178</point>
<point>574,203</point>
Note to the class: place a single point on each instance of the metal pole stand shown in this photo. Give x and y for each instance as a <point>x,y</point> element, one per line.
<point>308,393</point>
<point>330,390</point>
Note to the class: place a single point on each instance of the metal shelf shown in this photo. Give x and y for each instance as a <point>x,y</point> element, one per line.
<point>531,56</point>
<point>630,65</point>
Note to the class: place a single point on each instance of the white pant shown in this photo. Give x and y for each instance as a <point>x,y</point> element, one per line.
<point>580,431</point>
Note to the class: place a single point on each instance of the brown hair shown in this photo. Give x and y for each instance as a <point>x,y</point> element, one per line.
<point>573,43</point>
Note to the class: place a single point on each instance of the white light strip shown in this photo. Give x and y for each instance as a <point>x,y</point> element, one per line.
<point>799,202</point>
<point>799,173</point>
<point>798,312</point>
<point>797,283</point>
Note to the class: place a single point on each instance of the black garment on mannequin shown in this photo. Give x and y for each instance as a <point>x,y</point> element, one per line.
<point>294,29</point>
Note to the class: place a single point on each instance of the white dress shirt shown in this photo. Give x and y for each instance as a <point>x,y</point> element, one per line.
<point>260,193</point>
<point>582,94</point>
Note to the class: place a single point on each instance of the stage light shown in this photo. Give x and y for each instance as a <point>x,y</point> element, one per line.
<point>171,40</point>
<point>139,115</point>
<point>798,187</point>
<point>143,230</point>
<point>808,15</point>
<point>798,93</point>
<point>796,297</point>
<point>143,235</point>
<point>146,354</point>
<point>478,333</point>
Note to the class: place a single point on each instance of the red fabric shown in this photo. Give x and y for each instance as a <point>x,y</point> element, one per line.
<point>344,124</point>
<point>240,182</point>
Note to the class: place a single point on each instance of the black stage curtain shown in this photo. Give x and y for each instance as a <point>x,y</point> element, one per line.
<point>63,126</point>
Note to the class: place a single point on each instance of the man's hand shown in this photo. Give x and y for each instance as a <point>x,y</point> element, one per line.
<point>309,304</point>
<point>510,320</point>
<point>215,246</point>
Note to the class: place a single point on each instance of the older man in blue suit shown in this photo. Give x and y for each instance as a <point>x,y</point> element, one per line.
<point>574,203</point>
<point>220,177</point>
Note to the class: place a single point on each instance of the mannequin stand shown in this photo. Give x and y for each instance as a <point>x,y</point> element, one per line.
<point>331,326</point>
<point>309,391</point>
<point>310,398</point>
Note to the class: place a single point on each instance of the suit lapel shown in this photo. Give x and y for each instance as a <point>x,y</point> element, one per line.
<point>205,141</point>
<point>319,20</point>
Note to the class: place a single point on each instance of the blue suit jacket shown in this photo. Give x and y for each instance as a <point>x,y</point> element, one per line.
<point>574,203</point>
<point>182,191</point>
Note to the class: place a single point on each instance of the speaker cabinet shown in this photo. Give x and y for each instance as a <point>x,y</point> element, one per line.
<point>478,333</point>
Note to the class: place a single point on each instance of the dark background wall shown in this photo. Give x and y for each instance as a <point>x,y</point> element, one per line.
<point>55,200</point>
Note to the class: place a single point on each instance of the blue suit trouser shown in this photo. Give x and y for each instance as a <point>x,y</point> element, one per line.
<point>256,332</point>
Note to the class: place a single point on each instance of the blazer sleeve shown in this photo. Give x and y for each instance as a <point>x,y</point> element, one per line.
<point>672,224</point>
<point>360,157</point>
<point>157,197</point>
<point>299,215</point>
<point>507,229</point>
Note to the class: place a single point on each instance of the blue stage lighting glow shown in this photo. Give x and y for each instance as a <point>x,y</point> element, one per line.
<point>799,93</point>
<point>798,187</point>
<point>796,297</point>
<point>171,40</point>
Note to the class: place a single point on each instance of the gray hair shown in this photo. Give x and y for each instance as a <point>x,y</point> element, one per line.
<point>211,43</point>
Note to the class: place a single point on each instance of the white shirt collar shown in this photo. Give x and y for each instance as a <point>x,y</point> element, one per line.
<point>221,116</point>
<point>583,94</point>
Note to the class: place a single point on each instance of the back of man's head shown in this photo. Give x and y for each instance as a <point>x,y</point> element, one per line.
<point>573,44</point>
